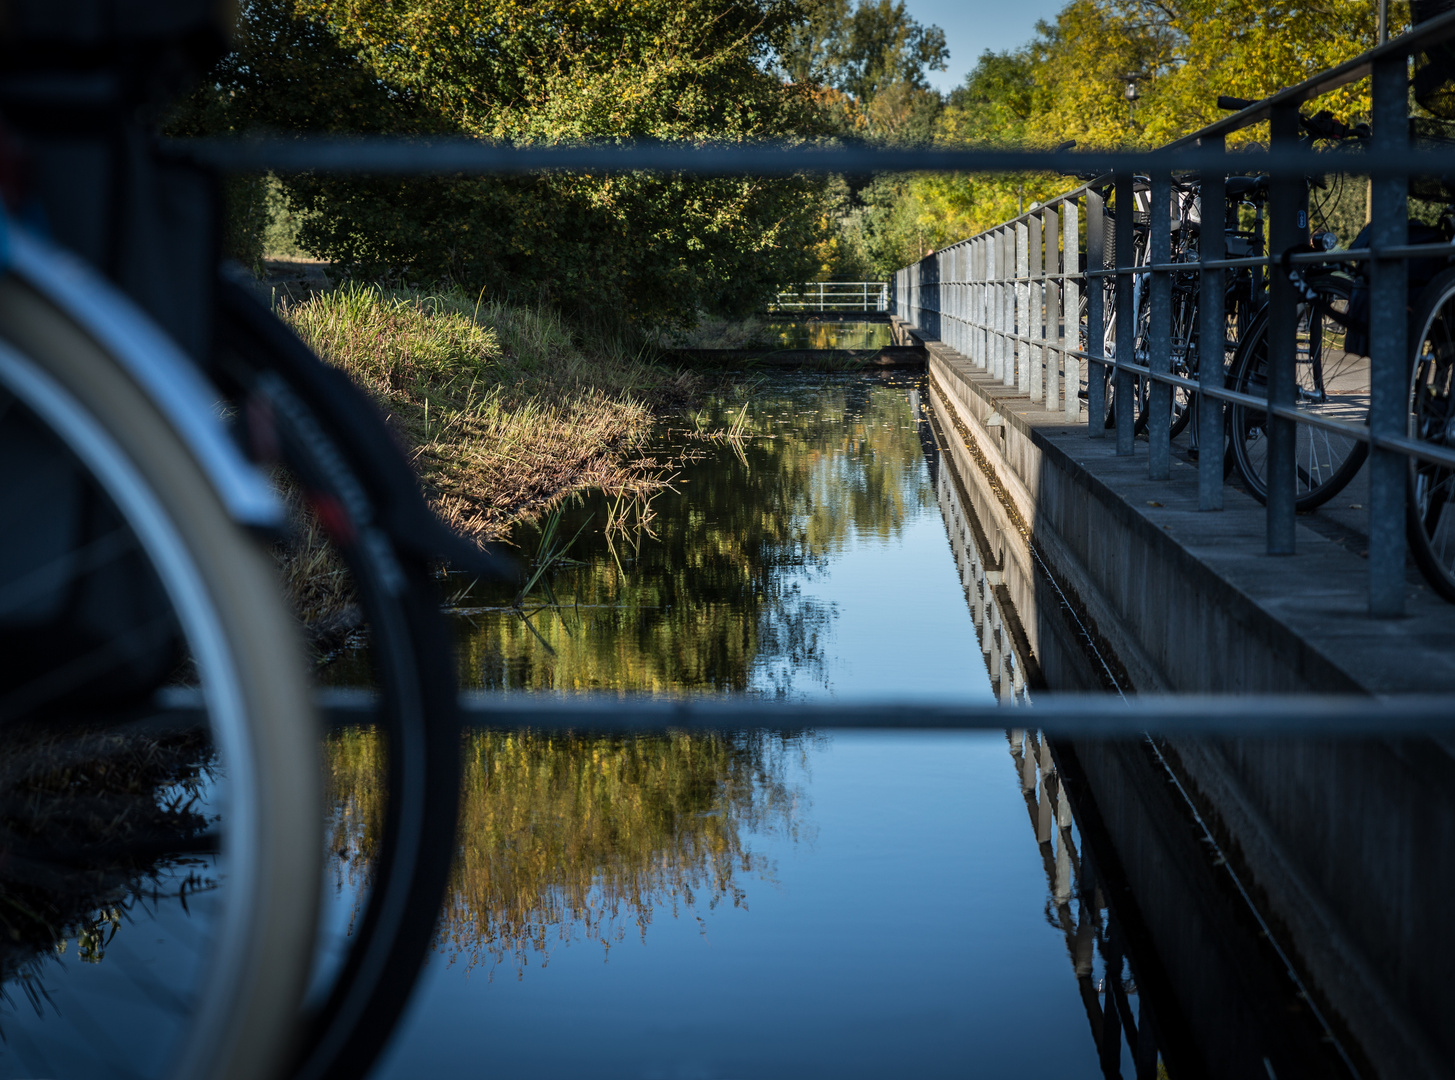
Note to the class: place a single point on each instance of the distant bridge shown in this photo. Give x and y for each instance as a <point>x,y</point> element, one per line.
<point>843,297</point>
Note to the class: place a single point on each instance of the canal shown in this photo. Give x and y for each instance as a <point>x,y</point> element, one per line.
<point>862,904</point>
<point>690,906</point>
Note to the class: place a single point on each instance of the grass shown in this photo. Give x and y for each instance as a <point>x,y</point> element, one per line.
<point>504,409</point>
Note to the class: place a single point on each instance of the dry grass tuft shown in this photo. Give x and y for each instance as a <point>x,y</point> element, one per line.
<point>504,410</point>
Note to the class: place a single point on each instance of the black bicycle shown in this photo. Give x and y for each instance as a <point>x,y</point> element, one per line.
<point>140,617</point>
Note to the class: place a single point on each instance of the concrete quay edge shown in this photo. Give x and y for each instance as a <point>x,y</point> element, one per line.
<point>1189,599</point>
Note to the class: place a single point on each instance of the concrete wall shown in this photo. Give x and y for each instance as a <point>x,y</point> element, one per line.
<point>1342,847</point>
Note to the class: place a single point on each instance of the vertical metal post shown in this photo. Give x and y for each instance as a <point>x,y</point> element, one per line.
<point>995,249</point>
<point>997,302</point>
<point>1126,383</point>
<point>976,355</point>
<point>1071,309</point>
<point>962,293</point>
<point>1007,306</point>
<point>972,275</point>
<point>1212,337</point>
<point>1052,297</point>
<point>1008,299</point>
<point>1022,306</point>
<point>1389,347</point>
<point>1036,288</point>
<point>1159,332</point>
<point>1283,233</point>
<point>1095,317</point>
<point>950,299</point>
<point>987,264</point>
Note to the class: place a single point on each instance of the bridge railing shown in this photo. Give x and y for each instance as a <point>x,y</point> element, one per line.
<point>833,296</point>
<point>1032,301</point>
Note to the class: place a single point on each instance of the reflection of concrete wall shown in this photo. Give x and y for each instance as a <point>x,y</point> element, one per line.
<point>979,524</point>
<point>1341,847</point>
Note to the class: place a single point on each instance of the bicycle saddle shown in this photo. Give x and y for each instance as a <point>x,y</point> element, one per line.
<point>1238,187</point>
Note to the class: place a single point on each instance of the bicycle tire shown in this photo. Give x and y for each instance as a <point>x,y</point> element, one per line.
<point>72,397</point>
<point>1321,474</point>
<point>1428,526</point>
<point>413,666</point>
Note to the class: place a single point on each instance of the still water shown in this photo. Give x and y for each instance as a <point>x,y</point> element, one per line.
<point>829,334</point>
<point>832,905</point>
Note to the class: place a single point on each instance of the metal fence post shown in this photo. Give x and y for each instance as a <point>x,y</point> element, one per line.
<point>1159,332</point>
<point>973,301</point>
<point>1283,233</point>
<point>1212,335</point>
<point>997,305</point>
<point>1095,316</point>
<point>1052,285</point>
<point>1004,273</point>
<point>982,275</point>
<point>1390,351</point>
<point>1035,286</point>
<point>949,293</point>
<point>992,305</point>
<point>1012,285</point>
<point>1126,283</point>
<point>1071,309</point>
<point>1022,306</point>
<point>962,275</point>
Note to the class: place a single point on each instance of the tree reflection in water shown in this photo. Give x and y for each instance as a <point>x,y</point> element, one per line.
<point>573,837</point>
<point>712,596</point>
<point>96,815</point>
<point>567,837</point>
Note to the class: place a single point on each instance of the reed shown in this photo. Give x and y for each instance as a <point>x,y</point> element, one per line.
<point>505,409</point>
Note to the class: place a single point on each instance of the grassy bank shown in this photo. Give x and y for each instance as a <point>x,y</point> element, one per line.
<point>504,409</point>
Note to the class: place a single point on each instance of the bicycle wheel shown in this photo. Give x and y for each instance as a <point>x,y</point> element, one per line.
<point>1430,516</point>
<point>367,964</point>
<point>1237,317</point>
<point>159,745</point>
<point>1329,382</point>
<point>1139,356</point>
<point>1183,361</point>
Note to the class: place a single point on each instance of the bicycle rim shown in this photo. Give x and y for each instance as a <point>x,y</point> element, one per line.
<point>1329,382</point>
<point>393,862</point>
<point>168,936</point>
<point>1430,513</point>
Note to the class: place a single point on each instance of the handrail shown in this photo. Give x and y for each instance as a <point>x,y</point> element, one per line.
<point>1010,299</point>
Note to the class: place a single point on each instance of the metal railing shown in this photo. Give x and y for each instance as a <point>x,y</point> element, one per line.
<point>833,296</point>
<point>1016,302</point>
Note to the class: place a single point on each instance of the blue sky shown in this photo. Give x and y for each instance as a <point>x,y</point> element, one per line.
<point>972,26</point>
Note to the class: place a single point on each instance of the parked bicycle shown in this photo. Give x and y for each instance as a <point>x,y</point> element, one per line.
<point>149,655</point>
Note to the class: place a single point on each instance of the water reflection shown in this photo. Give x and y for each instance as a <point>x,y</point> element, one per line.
<point>567,838</point>
<point>738,584</point>
<point>829,334</point>
<point>108,890</point>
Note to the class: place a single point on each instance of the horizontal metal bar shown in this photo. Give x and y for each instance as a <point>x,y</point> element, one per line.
<point>1302,258</point>
<point>1079,715</point>
<point>1435,455</point>
<point>387,155</point>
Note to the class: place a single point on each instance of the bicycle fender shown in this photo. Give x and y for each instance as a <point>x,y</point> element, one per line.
<point>159,367</point>
<point>352,421</point>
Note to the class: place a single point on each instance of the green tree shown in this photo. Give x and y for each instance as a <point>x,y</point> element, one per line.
<point>863,50</point>
<point>1070,82</point>
<point>638,246</point>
